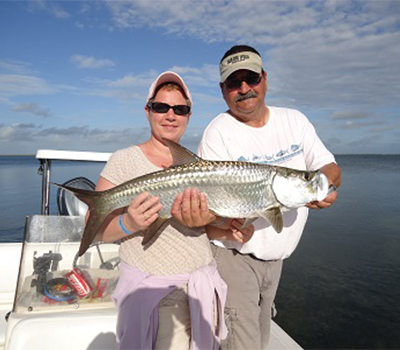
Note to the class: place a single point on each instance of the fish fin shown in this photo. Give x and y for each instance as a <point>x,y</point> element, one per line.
<point>180,154</point>
<point>151,231</point>
<point>274,216</point>
<point>248,222</point>
<point>96,217</point>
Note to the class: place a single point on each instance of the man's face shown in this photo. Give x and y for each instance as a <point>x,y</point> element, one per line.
<point>244,92</point>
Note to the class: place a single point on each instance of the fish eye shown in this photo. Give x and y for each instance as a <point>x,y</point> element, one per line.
<point>307,176</point>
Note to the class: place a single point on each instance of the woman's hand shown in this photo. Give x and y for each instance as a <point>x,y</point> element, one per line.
<point>190,208</point>
<point>142,212</point>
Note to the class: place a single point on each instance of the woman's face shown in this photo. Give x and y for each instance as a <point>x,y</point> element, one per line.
<point>168,125</point>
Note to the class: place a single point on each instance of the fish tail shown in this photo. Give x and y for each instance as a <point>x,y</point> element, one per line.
<point>86,196</point>
<point>95,221</point>
<point>97,214</point>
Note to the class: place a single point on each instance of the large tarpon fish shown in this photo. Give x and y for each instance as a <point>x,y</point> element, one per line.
<point>234,189</point>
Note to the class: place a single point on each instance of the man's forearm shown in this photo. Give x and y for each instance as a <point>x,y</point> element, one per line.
<point>333,173</point>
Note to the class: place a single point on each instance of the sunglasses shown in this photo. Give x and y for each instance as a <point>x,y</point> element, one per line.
<point>160,107</point>
<point>251,80</point>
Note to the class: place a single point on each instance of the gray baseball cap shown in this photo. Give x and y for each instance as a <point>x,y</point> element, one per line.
<point>242,60</point>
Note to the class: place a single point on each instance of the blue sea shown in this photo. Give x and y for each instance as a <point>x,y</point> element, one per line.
<point>341,287</point>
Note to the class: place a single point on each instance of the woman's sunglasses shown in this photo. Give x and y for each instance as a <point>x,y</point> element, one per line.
<point>251,80</point>
<point>160,107</point>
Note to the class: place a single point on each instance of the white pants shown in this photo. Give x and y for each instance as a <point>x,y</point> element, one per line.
<point>174,328</point>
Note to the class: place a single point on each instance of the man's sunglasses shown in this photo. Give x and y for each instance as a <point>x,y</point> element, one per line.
<point>251,80</point>
<point>160,107</point>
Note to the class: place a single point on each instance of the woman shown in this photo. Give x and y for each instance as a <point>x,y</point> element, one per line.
<point>169,294</point>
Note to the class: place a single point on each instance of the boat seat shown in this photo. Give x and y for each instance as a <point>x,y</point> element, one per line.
<point>67,203</point>
<point>76,329</point>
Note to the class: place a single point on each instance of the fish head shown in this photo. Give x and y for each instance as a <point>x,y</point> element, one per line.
<point>295,188</point>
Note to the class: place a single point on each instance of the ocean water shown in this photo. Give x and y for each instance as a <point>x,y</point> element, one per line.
<point>341,287</point>
<point>21,189</point>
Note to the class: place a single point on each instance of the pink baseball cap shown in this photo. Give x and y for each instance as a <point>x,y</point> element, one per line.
<point>168,77</point>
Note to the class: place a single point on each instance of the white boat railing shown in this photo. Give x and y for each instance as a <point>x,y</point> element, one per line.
<point>46,156</point>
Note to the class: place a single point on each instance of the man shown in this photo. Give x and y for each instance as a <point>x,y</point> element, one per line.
<point>252,131</point>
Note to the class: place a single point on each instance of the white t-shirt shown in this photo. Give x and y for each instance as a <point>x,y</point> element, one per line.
<point>288,139</point>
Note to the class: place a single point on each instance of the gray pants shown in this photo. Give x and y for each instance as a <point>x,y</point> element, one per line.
<point>252,286</point>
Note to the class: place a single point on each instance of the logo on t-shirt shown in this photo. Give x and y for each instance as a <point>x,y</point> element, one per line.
<point>281,156</point>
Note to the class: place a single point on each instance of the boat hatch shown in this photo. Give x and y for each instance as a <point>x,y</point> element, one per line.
<point>53,277</point>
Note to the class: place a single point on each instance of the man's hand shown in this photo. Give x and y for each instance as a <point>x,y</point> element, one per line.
<point>233,231</point>
<point>241,235</point>
<point>333,173</point>
<point>191,208</point>
<point>325,203</point>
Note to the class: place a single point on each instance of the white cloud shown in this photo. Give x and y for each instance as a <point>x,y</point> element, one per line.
<point>30,137</point>
<point>79,25</point>
<point>206,75</point>
<point>14,84</point>
<point>131,87</point>
<point>51,7</point>
<point>131,81</point>
<point>16,67</point>
<point>317,53</point>
<point>16,132</point>
<point>91,62</point>
<point>335,60</point>
<point>58,11</point>
<point>32,108</point>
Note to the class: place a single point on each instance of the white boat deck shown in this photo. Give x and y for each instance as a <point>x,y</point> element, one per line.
<point>280,340</point>
<point>80,330</point>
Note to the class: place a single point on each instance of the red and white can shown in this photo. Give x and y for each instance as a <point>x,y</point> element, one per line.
<point>77,280</point>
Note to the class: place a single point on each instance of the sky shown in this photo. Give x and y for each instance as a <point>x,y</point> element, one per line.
<point>74,75</point>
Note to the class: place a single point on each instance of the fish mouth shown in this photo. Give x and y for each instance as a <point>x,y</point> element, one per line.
<point>322,187</point>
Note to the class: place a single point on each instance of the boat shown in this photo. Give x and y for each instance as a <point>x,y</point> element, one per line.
<point>50,298</point>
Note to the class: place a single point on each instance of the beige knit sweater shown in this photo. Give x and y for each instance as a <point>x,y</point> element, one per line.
<point>177,249</point>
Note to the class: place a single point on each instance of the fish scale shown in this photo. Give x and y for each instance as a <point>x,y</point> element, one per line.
<point>228,193</point>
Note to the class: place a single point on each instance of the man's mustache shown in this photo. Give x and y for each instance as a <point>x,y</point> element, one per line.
<point>249,94</point>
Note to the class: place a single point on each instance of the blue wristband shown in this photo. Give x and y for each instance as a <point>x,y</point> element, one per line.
<point>220,223</point>
<point>121,224</point>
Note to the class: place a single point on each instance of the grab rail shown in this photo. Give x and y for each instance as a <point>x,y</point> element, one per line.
<point>45,157</point>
